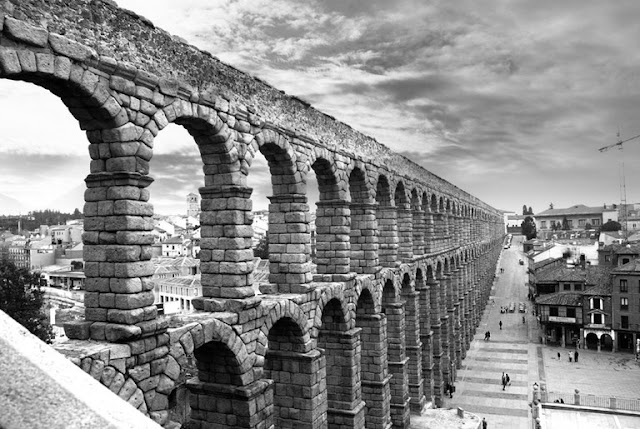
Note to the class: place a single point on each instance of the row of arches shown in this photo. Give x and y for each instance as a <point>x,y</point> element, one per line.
<point>372,355</point>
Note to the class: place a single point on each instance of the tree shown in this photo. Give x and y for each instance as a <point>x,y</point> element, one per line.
<point>528,228</point>
<point>530,211</point>
<point>524,210</point>
<point>22,299</point>
<point>587,226</point>
<point>612,225</point>
<point>262,248</point>
<point>565,224</point>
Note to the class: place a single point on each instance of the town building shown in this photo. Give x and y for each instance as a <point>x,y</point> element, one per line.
<point>193,205</point>
<point>597,332</point>
<point>575,218</point>
<point>625,298</point>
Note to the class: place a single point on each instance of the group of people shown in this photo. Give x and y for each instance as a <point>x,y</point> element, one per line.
<point>506,381</point>
<point>572,355</point>
<point>487,336</point>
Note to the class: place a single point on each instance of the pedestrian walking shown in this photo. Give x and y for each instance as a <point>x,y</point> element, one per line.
<point>484,423</point>
<point>569,354</point>
<point>488,335</point>
<point>558,355</point>
<point>504,381</point>
<point>576,356</point>
<point>500,324</point>
<point>508,379</point>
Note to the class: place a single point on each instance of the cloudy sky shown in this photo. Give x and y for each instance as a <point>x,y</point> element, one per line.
<point>507,99</point>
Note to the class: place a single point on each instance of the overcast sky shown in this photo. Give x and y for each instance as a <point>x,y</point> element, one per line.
<point>507,99</point>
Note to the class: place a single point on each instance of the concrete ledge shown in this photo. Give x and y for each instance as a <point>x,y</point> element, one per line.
<point>40,388</point>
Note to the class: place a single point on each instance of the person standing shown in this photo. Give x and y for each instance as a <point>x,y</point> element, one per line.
<point>558,355</point>
<point>508,379</point>
<point>569,354</point>
<point>504,381</point>
<point>484,423</point>
<point>576,356</point>
<point>500,324</point>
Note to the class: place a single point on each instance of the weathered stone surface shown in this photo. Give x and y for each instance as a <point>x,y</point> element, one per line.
<point>118,332</point>
<point>70,48</point>
<point>26,33</point>
<point>78,329</point>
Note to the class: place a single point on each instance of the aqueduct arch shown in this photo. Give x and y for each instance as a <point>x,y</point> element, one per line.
<point>403,273</point>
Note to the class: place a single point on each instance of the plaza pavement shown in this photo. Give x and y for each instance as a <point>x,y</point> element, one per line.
<point>516,350</point>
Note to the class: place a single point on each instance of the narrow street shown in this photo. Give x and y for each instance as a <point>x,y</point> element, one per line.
<point>478,384</point>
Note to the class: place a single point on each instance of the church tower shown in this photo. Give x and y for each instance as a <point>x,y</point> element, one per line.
<point>193,205</point>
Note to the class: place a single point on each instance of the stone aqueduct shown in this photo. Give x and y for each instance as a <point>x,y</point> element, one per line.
<point>405,260</point>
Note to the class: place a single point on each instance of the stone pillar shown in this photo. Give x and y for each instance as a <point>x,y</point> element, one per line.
<point>466,312</point>
<point>346,409</point>
<point>414,351</point>
<point>222,405</point>
<point>426,337</point>
<point>457,323</point>
<point>388,236</point>
<point>300,398</point>
<point>398,365</point>
<point>446,329</point>
<point>290,243</point>
<point>436,345</point>
<point>418,232</point>
<point>117,253</point>
<point>446,231</point>
<point>226,255</point>
<point>375,371</point>
<point>405,234</point>
<point>333,227</point>
<point>364,239</point>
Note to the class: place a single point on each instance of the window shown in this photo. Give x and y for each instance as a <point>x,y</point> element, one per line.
<point>566,286</point>
<point>596,304</point>
<point>543,224</point>
<point>577,286</point>
<point>582,222</point>
<point>625,261</point>
<point>553,311</point>
<point>571,312</point>
<point>570,223</point>
<point>624,322</point>
<point>553,224</point>
<point>623,286</point>
<point>597,319</point>
<point>595,222</point>
<point>607,258</point>
<point>624,303</point>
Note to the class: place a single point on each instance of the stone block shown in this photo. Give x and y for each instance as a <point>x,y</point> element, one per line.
<point>121,333</point>
<point>134,300</point>
<point>137,398</point>
<point>45,63</point>
<point>126,317</point>
<point>130,253</point>
<point>140,372</point>
<point>78,329</point>
<point>134,269</point>
<point>70,48</point>
<point>96,284</point>
<point>95,314</point>
<point>97,330</point>
<point>127,389</point>
<point>126,285</point>
<point>26,33</point>
<point>159,366</point>
<point>27,61</point>
<point>9,62</point>
<point>165,384</point>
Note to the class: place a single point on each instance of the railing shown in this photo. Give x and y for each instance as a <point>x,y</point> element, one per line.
<point>595,401</point>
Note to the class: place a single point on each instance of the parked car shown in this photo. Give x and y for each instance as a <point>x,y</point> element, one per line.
<point>521,262</point>
<point>512,307</point>
<point>522,307</point>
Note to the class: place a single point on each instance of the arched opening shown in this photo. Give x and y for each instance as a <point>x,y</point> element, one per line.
<point>592,341</point>
<point>606,342</point>
<point>219,394</point>
<point>332,224</point>
<point>177,169</point>
<point>296,380</point>
<point>387,225</point>
<point>404,223</point>
<point>417,220</point>
<point>425,333</point>
<point>43,164</point>
<point>288,233</point>
<point>364,230</point>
